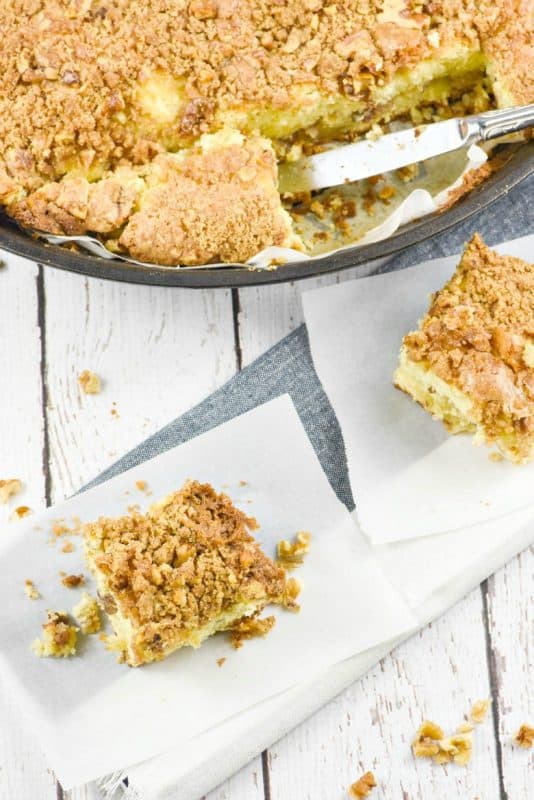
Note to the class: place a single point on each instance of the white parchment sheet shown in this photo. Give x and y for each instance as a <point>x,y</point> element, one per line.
<point>93,715</point>
<point>409,476</point>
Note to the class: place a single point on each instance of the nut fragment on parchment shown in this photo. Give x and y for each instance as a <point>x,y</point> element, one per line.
<point>291,554</point>
<point>90,382</point>
<point>8,488</point>
<point>363,786</point>
<point>73,581</point>
<point>525,736</point>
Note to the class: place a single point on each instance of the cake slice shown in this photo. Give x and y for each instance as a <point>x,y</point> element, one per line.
<point>179,573</point>
<point>471,362</point>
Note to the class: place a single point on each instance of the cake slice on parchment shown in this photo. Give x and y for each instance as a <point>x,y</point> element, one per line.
<point>471,361</point>
<point>179,573</point>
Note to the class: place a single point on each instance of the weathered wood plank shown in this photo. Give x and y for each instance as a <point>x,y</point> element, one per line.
<point>23,772</point>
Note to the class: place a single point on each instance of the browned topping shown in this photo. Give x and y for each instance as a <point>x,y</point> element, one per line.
<point>73,581</point>
<point>525,736</point>
<point>478,335</point>
<point>89,382</point>
<point>59,636</point>
<point>31,590</point>
<point>19,512</point>
<point>291,554</point>
<point>180,567</point>
<point>250,628</point>
<point>8,488</point>
<point>363,786</point>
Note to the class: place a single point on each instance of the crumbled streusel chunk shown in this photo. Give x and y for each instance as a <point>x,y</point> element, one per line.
<point>291,554</point>
<point>73,581</point>
<point>58,638</point>
<point>8,488</point>
<point>250,628</point>
<point>525,736</point>
<point>90,382</point>
<point>363,786</point>
<point>87,613</point>
<point>31,590</point>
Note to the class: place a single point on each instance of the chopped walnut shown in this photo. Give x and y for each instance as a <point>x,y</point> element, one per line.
<point>430,742</point>
<point>525,736</point>
<point>72,581</point>
<point>8,488</point>
<point>479,711</point>
<point>59,637</point>
<point>250,628</point>
<point>31,590</point>
<point>87,613</point>
<point>19,512</point>
<point>89,382</point>
<point>363,786</point>
<point>292,591</point>
<point>291,554</point>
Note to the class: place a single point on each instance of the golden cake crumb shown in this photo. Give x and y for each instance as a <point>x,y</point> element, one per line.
<point>141,485</point>
<point>525,736</point>
<point>31,590</point>
<point>479,710</point>
<point>19,513</point>
<point>363,786</point>
<point>250,628</point>
<point>8,488</point>
<point>180,572</point>
<point>58,638</point>
<point>291,554</point>
<point>87,614</point>
<point>72,581</point>
<point>468,364</point>
<point>90,382</point>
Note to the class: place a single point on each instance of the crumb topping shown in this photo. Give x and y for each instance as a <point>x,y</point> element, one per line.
<point>363,786</point>
<point>183,564</point>
<point>250,628</point>
<point>87,614</point>
<point>58,638</point>
<point>90,382</point>
<point>8,488</point>
<point>525,736</point>
<point>478,335</point>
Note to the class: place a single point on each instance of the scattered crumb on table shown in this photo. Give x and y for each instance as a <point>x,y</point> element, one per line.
<point>31,590</point>
<point>431,742</point>
<point>72,581</point>
<point>363,786</point>
<point>220,661</point>
<point>8,488</point>
<point>291,554</point>
<point>19,512</point>
<point>58,638</point>
<point>525,736</point>
<point>90,382</point>
<point>68,547</point>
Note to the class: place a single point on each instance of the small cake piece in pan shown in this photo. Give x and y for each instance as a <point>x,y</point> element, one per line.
<point>471,362</point>
<point>179,573</point>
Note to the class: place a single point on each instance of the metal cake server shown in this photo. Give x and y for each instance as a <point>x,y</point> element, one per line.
<point>353,162</point>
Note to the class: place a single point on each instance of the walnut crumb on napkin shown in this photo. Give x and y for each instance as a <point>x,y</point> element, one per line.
<point>31,590</point>
<point>525,736</point>
<point>87,613</point>
<point>59,637</point>
<point>291,554</point>
<point>363,786</point>
<point>8,488</point>
<point>90,382</point>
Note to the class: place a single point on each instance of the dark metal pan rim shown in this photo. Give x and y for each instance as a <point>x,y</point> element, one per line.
<point>518,167</point>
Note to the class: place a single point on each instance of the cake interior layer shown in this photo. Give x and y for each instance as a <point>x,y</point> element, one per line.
<point>455,409</point>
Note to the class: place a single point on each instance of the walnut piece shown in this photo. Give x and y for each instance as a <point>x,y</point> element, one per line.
<point>72,581</point>
<point>363,786</point>
<point>430,742</point>
<point>89,382</point>
<point>525,736</point>
<point>87,614</point>
<point>291,554</point>
<point>31,590</point>
<point>250,628</point>
<point>59,637</point>
<point>479,710</point>
<point>8,488</point>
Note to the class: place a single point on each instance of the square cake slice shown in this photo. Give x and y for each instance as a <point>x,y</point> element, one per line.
<point>471,361</point>
<point>179,573</point>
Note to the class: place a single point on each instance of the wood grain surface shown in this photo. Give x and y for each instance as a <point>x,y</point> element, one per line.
<point>159,351</point>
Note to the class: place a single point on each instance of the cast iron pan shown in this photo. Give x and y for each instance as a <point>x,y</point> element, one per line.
<point>517,168</point>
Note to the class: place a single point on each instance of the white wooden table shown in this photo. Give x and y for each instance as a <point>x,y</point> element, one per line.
<point>160,351</point>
